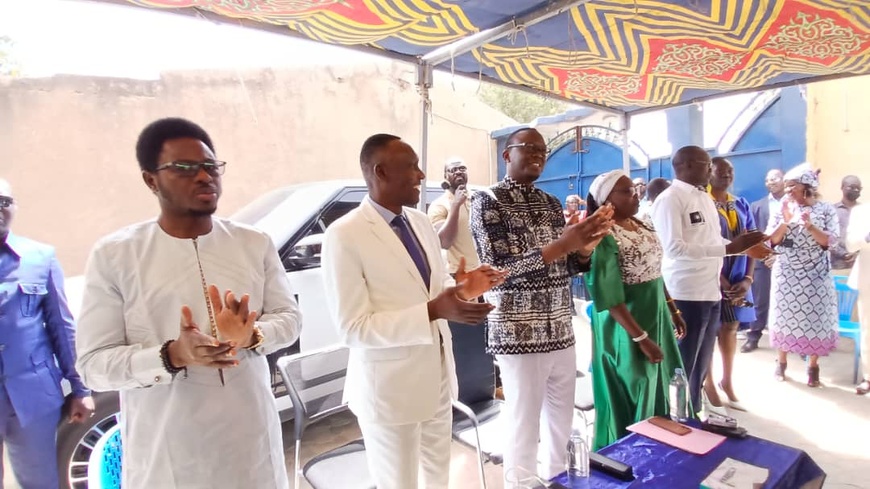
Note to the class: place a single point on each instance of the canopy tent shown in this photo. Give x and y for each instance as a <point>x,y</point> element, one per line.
<point>623,56</point>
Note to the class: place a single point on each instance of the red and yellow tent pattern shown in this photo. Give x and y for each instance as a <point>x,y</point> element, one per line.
<point>619,53</point>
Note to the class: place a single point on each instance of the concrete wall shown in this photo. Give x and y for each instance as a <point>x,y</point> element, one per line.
<point>67,143</point>
<point>838,132</point>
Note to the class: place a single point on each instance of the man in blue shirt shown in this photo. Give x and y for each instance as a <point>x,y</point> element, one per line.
<point>37,350</point>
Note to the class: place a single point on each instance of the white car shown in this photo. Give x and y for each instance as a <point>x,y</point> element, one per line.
<point>295,217</point>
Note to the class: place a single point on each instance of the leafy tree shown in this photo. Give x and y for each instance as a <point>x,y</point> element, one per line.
<point>8,63</point>
<point>521,106</point>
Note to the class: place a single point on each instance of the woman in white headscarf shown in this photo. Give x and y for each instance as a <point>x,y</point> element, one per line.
<point>634,350</point>
<point>802,299</point>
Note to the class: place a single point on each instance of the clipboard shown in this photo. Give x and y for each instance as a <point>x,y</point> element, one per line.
<point>699,442</point>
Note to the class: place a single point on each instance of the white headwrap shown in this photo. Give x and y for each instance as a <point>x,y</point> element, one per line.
<point>603,185</point>
<point>803,174</point>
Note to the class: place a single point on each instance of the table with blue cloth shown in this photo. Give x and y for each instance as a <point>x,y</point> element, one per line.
<point>657,465</point>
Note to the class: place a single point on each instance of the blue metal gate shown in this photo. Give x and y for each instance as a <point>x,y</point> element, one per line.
<point>580,154</point>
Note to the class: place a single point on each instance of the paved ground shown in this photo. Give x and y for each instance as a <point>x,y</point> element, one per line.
<point>830,423</point>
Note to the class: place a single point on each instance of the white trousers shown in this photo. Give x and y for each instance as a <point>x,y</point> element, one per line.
<point>539,393</point>
<point>396,453</point>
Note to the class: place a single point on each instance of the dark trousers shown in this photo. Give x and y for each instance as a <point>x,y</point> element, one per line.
<point>702,327</point>
<point>32,448</point>
<point>761,295</point>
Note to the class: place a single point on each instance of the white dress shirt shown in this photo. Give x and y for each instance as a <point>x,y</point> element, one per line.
<point>687,224</point>
<point>774,205</point>
<point>188,431</point>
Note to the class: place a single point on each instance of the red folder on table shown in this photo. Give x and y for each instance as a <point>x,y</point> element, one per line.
<point>698,441</point>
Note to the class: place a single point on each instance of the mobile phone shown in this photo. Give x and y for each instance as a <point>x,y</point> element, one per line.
<point>669,425</point>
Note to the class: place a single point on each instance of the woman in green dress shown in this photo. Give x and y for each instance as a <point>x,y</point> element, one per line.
<point>634,350</point>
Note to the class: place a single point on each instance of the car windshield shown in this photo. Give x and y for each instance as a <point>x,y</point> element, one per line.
<point>252,213</point>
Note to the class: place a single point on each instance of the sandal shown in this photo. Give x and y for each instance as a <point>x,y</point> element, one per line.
<point>813,376</point>
<point>863,388</point>
<point>779,373</point>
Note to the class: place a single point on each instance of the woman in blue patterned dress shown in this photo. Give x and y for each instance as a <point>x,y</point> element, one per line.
<point>803,299</point>
<point>735,218</point>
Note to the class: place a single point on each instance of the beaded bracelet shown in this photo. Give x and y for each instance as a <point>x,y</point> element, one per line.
<point>640,338</point>
<point>167,364</point>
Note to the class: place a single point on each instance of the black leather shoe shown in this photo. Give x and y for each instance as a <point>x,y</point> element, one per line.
<point>749,346</point>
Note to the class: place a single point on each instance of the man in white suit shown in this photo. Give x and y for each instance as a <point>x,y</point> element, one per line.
<point>858,241</point>
<point>391,296</point>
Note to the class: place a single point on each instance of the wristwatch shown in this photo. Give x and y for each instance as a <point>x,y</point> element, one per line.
<point>258,339</point>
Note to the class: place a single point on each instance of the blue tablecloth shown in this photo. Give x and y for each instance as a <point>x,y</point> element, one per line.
<point>657,465</point>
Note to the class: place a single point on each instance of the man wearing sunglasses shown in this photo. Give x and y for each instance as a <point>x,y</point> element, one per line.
<point>37,349</point>
<point>449,215</point>
<point>178,315</point>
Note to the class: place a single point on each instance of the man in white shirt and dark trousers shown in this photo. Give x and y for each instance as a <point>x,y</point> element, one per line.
<point>687,224</point>
<point>178,315</point>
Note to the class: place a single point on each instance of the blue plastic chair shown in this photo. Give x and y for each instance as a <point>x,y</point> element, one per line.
<point>846,297</point>
<point>104,471</point>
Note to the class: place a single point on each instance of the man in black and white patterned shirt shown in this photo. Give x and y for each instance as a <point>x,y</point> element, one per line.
<point>520,228</point>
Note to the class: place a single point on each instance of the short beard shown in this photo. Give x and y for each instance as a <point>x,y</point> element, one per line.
<point>201,212</point>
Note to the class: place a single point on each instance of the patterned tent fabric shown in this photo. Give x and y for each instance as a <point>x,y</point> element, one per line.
<point>623,54</point>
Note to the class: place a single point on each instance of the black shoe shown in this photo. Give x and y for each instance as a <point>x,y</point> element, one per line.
<point>749,346</point>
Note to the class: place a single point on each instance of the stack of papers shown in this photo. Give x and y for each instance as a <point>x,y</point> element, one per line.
<point>734,474</point>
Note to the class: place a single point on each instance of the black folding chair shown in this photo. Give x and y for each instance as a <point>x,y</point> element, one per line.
<point>477,406</point>
<point>315,384</point>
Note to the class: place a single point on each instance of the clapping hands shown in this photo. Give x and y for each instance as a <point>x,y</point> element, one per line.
<point>235,324</point>
<point>584,236</point>
<point>475,282</point>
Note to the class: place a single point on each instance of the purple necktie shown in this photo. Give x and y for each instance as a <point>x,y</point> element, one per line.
<point>413,248</point>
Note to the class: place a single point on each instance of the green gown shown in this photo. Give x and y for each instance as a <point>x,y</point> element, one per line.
<point>626,268</point>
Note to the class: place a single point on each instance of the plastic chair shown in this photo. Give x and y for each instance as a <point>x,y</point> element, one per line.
<point>105,461</point>
<point>315,384</point>
<point>846,297</point>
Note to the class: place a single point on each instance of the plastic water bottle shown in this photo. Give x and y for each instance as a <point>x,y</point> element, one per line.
<point>578,457</point>
<point>679,396</point>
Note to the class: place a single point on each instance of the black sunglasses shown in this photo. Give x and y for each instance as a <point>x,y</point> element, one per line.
<point>191,168</point>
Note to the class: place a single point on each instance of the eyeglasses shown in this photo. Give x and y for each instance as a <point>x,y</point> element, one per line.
<point>192,168</point>
<point>6,202</point>
<point>457,169</point>
<point>530,148</point>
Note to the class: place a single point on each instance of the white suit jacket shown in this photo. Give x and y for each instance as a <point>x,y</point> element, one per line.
<point>379,303</point>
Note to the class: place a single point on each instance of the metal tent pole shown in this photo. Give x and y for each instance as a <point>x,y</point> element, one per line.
<point>474,41</point>
<point>424,83</point>
<point>626,158</point>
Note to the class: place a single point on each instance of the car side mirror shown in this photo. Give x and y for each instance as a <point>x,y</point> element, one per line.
<point>305,254</point>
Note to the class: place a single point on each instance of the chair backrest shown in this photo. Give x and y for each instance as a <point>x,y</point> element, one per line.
<point>315,384</point>
<point>105,467</point>
<point>475,370</point>
<point>846,297</point>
